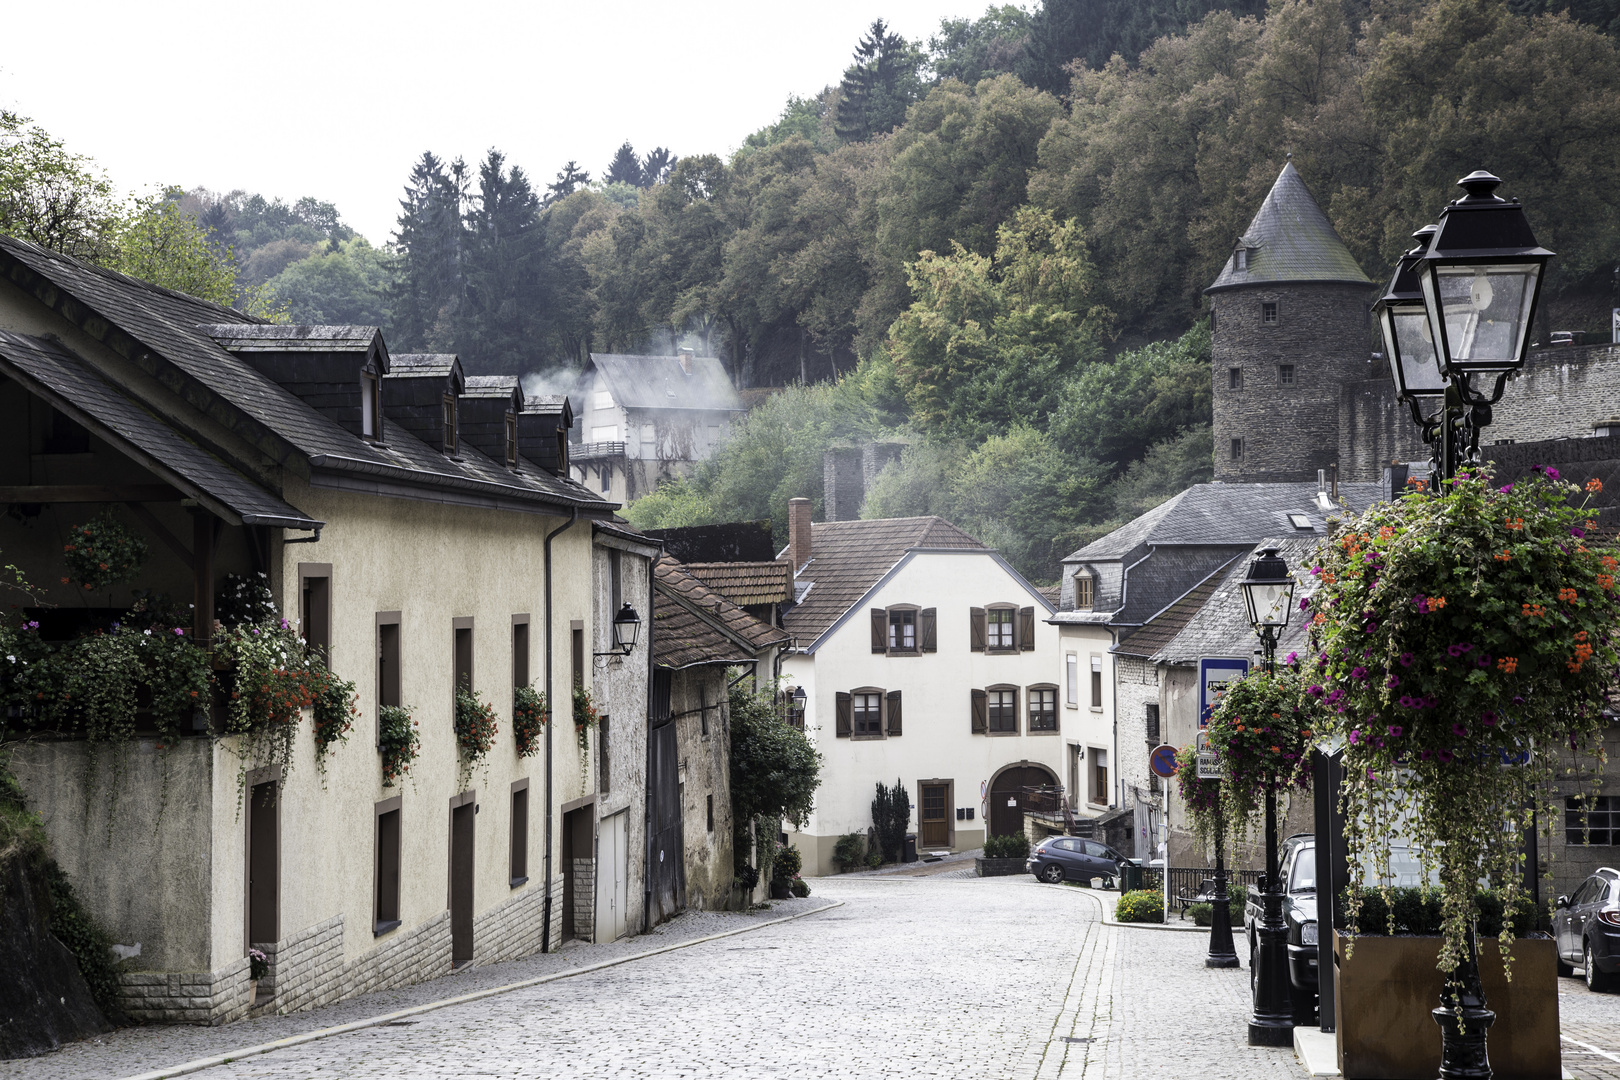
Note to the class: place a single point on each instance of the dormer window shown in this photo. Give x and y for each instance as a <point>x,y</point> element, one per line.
<point>450,425</point>
<point>1084,596</point>
<point>370,405</point>
<point>511,440</point>
<point>1240,259</point>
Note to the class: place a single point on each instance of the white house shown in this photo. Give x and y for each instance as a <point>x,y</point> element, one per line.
<point>924,658</point>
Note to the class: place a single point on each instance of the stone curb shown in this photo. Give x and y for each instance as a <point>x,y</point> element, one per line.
<point>216,1060</point>
<point>1189,928</point>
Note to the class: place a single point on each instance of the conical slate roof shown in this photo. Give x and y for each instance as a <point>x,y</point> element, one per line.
<point>1290,240</point>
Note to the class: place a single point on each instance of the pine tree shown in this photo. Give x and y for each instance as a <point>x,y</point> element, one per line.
<point>499,323</point>
<point>878,86</point>
<point>429,240</point>
<point>625,168</point>
<point>655,166</point>
<point>570,179</point>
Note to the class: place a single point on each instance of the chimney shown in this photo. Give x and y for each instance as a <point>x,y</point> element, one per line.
<point>686,361</point>
<point>798,533</point>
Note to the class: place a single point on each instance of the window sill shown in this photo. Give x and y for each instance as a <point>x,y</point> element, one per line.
<point>384,927</point>
<point>1071,705</point>
<point>866,738</point>
<point>1002,652</point>
<point>1043,731</point>
<point>1000,734</point>
<point>1094,708</point>
<point>517,881</point>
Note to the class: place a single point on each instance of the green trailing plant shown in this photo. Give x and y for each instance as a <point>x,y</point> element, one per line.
<point>475,729</point>
<point>102,552</point>
<point>1142,905</point>
<point>246,600</point>
<point>849,852</point>
<point>1010,846</point>
<point>271,684</point>
<point>336,705</point>
<point>1419,910</point>
<point>1201,798</point>
<point>1261,728</point>
<point>1466,643</point>
<point>529,718</point>
<point>891,815</point>
<point>399,741</point>
<point>586,716</point>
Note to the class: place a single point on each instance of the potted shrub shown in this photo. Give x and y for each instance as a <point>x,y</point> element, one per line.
<point>1003,856</point>
<point>785,869</point>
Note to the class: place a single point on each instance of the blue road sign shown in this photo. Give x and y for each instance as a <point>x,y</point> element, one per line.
<point>1163,761</point>
<point>1214,672</point>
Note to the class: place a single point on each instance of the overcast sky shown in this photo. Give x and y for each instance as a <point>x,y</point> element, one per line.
<point>336,98</point>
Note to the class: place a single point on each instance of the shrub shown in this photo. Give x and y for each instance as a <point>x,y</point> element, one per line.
<point>874,859</point>
<point>1143,905</point>
<point>529,716</point>
<point>800,887</point>
<point>1011,846</point>
<point>1419,911</point>
<point>850,851</point>
<point>1202,914</point>
<point>788,863</point>
<point>891,816</point>
<point>399,741</point>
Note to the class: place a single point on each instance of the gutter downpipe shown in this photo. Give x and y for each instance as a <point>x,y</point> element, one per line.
<point>551,702</point>
<point>647,800</point>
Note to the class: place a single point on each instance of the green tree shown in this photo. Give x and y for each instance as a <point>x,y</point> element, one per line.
<point>657,165</point>
<point>673,504</point>
<point>969,50</point>
<point>348,283</point>
<point>1168,468</point>
<point>427,297</point>
<point>51,197</point>
<point>774,769</point>
<point>499,317</point>
<point>570,178</point>
<point>878,87</point>
<point>1114,411</point>
<point>625,168</point>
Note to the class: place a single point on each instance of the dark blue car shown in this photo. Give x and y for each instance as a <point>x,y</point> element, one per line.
<point>1070,858</point>
<point>1587,928</point>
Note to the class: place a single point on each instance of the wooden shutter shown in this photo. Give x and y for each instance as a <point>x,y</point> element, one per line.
<point>1026,629</point>
<point>978,633</point>
<point>845,708</point>
<point>880,630</point>
<point>981,712</point>
<point>928,629</point>
<point>894,712</point>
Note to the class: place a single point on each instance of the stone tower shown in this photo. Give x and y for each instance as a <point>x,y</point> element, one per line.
<point>1291,322</point>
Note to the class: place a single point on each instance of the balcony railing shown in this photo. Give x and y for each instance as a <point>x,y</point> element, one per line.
<point>595,451</point>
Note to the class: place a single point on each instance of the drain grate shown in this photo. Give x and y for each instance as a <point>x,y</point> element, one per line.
<point>1074,1039</point>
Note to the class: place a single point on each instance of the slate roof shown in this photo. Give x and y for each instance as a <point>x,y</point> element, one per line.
<point>847,558</point>
<point>490,386</point>
<point>1220,626</point>
<point>275,337</point>
<point>423,364</point>
<point>63,378</point>
<point>1290,240</point>
<point>164,334</point>
<point>1158,631</point>
<point>657,382</point>
<point>693,625</point>
<point>746,583</point>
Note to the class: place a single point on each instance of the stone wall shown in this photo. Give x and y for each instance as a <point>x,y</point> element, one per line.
<point>1136,686</point>
<point>585,899</point>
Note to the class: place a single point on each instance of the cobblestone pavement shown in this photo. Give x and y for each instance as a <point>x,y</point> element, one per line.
<point>935,976</point>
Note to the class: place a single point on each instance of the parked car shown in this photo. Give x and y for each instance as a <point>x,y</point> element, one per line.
<point>1587,929</point>
<point>1298,872</point>
<point>1072,858</point>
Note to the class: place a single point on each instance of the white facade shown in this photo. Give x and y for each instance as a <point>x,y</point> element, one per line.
<point>1091,767</point>
<point>937,747</point>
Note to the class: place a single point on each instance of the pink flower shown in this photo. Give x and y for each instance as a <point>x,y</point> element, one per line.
<point>179,632</point>
<point>1406,659</point>
<point>1445,757</point>
<point>1396,731</point>
<point>1459,731</point>
<point>1488,718</point>
<point>1355,736</point>
<point>1392,682</point>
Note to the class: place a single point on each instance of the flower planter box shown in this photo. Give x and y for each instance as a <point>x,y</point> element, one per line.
<point>998,867</point>
<point>1387,989</point>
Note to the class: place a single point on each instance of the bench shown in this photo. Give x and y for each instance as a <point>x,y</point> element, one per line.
<point>1204,895</point>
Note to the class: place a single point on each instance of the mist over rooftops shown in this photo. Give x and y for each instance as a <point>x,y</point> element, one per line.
<point>664,382</point>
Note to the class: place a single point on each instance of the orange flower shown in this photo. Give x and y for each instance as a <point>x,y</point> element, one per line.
<point>1605,581</point>
<point>1508,665</point>
<point>1319,618</point>
<point>1533,611</point>
<point>1506,556</point>
<point>1594,485</point>
<point>1610,562</point>
<point>1436,603</point>
<point>1385,532</point>
<point>1514,523</point>
<point>1567,595</point>
<point>1276,749</point>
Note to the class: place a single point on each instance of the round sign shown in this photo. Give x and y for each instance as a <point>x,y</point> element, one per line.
<point>1163,760</point>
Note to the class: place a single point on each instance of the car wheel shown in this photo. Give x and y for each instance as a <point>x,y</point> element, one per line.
<point>1596,981</point>
<point>1052,874</point>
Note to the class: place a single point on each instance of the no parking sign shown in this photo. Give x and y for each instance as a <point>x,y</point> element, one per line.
<point>1163,761</point>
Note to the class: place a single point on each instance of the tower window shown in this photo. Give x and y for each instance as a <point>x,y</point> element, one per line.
<point>1268,314</point>
<point>1234,378</point>
<point>1285,374</point>
<point>1237,449</point>
<point>1240,259</point>
<point>1212,320</point>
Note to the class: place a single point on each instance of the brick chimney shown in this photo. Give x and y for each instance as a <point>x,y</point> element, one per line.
<point>798,533</point>
<point>686,361</point>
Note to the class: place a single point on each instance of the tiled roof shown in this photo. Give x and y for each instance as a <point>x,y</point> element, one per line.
<point>746,583</point>
<point>64,379</point>
<point>657,382</point>
<point>847,558</point>
<point>694,625</point>
<point>164,335</point>
<point>1158,631</point>
<point>1220,626</point>
<point>1291,240</point>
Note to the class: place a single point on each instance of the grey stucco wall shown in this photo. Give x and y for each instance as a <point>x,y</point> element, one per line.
<point>705,759</point>
<point>620,688</point>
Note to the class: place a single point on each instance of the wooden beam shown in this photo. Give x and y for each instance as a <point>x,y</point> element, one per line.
<point>88,493</point>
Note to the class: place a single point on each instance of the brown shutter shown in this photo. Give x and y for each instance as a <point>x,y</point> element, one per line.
<point>979,635</point>
<point>1026,628</point>
<point>928,629</point>
<point>894,712</point>
<point>981,712</point>
<point>846,708</point>
<point>880,630</point>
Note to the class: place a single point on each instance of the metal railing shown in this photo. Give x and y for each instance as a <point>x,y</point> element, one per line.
<point>1185,880</point>
<point>591,451</point>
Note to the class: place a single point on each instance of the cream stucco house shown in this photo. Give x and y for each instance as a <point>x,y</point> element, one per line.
<point>924,658</point>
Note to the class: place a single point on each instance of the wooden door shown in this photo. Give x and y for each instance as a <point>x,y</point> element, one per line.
<point>461,884</point>
<point>1007,797</point>
<point>936,829</point>
<point>610,890</point>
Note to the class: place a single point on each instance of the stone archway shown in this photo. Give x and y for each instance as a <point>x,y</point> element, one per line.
<point>1006,797</point>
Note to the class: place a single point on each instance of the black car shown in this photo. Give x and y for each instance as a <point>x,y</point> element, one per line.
<point>1298,872</point>
<point>1070,858</point>
<point>1587,929</point>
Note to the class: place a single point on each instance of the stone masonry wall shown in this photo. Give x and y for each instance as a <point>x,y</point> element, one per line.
<point>1288,432</point>
<point>511,928</point>
<point>585,899</point>
<point>187,997</point>
<point>1136,686</point>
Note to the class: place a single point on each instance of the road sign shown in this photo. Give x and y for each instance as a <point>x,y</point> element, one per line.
<point>1163,761</point>
<point>1209,766</point>
<point>1214,672</point>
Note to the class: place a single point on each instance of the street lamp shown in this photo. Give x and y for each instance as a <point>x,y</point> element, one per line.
<point>1268,590</point>
<point>1408,341</point>
<point>626,629</point>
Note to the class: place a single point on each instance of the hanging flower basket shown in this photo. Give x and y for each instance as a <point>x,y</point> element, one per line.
<point>529,717</point>
<point>399,741</point>
<point>585,716</point>
<point>1261,729</point>
<point>1201,797</point>
<point>102,553</point>
<point>475,725</point>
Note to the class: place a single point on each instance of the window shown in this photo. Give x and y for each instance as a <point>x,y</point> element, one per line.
<point>1004,711</point>
<point>315,609</point>
<point>603,400</point>
<point>1151,721</point>
<point>615,579</point>
<point>520,833</point>
<point>1212,320</point>
<point>1592,819</point>
<point>607,479</point>
<point>1096,682</point>
<point>1000,628</point>
<point>1042,709</point>
<point>605,433</point>
<point>388,681</point>
<point>1071,668</point>
<point>462,632</point>
<point>520,650</point>
<point>902,631</point>
<point>708,811</point>
<point>603,759</point>
<point>385,869</point>
<point>1268,314</point>
<point>868,714</point>
<point>1084,597</point>
<point>511,440</point>
<point>450,425</point>
<point>576,647</point>
<point>1234,378</point>
<point>1099,776</point>
<point>1285,374</point>
<point>649,440</point>
<point>1240,259</point>
<point>1237,450</point>
<point>370,406</point>
<point>1301,522</point>
<point>703,711</point>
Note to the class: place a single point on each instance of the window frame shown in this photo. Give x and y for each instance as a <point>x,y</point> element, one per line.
<point>1096,683</point>
<point>1011,623</point>
<point>1234,379</point>
<point>307,616</point>
<point>390,686</point>
<point>462,646</point>
<point>1071,680</point>
<point>511,440</point>
<point>895,614</point>
<point>1050,727</point>
<point>1237,449</point>
<point>1270,313</point>
<point>1085,582</point>
<point>993,709</point>
<point>449,419</point>
<point>1093,765</point>
<point>1287,375</point>
<point>518,830</point>
<point>1580,826</point>
<point>371,414</point>
<point>522,651</point>
<point>379,810</point>
<point>856,713</point>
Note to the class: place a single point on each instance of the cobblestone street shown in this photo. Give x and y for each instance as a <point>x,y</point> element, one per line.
<point>938,976</point>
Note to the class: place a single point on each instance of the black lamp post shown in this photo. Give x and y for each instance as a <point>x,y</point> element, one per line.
<point>626,630</point>
<point>1478,277</point>
<point>1268,590</point>
<point>1222,954</point>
